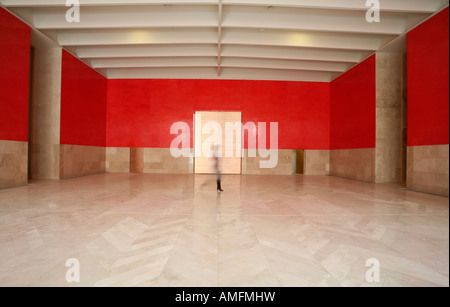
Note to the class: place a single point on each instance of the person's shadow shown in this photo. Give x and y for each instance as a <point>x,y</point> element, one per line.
<point>218,202</point>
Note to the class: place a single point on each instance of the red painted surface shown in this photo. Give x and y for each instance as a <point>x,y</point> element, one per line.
<point>141,112</point>
<point>353,108</point>
<point>83,104</point>
<point>14,77</point>
<point>428,92</point>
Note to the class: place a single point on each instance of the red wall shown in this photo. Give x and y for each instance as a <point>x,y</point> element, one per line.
<point>141,112</point>
<point>353,108</point>
<point>83,104</point>
<point>428,67</point>
<point>14,77</point>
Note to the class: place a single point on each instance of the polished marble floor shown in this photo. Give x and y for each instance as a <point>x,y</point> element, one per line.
<point>176,230</point>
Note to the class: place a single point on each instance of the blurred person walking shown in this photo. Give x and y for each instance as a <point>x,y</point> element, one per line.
<point>217,168</point>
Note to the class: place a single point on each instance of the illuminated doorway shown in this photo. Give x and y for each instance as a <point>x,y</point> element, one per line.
<point>221,130</point>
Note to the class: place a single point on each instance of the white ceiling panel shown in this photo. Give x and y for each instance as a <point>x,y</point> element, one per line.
<point>140,51</point>
<point>154,62</point>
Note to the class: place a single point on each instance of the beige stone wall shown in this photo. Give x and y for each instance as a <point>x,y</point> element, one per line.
<point>161,161</point>
<point>117,160</point>
<point>13,163</point>
<point>358,164</point>
<point>251,166</point>
<point>389,96</point>
<point>77,160</point>
<point>428,169</point>
<point>46,112</point>
<point>317,162</point>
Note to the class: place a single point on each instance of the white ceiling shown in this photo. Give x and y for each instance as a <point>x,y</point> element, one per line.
<point>293,40</point>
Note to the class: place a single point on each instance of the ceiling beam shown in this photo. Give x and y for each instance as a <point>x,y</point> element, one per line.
<point>128,17</point>
<point>163,73</point>
<point>137,36</point>
<point>313,20</point>
<point>226,62</point>
<point>219,35</point>
<point>147,51</point>
<point>418,6</point>
<point>229,36</point>
<point>155,62</point>
<point>261,52</point>
<point>275,74</point>
<point>292,53</point>
<point>347,41</point>
<point>285,64</point>
<point>211,73</point>
<point>60,3</point>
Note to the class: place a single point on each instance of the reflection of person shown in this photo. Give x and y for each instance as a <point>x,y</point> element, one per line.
<point>217,169</point>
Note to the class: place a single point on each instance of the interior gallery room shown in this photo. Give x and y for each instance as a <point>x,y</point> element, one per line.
<point>224,143</point>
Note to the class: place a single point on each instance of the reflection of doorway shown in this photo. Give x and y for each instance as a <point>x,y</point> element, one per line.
<point>404,119</point>
<point>300,162</point>
<point>136,160</point>
<point>224,128</point>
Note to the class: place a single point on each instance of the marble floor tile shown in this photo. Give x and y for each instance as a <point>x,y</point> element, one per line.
<point>176,230</point>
